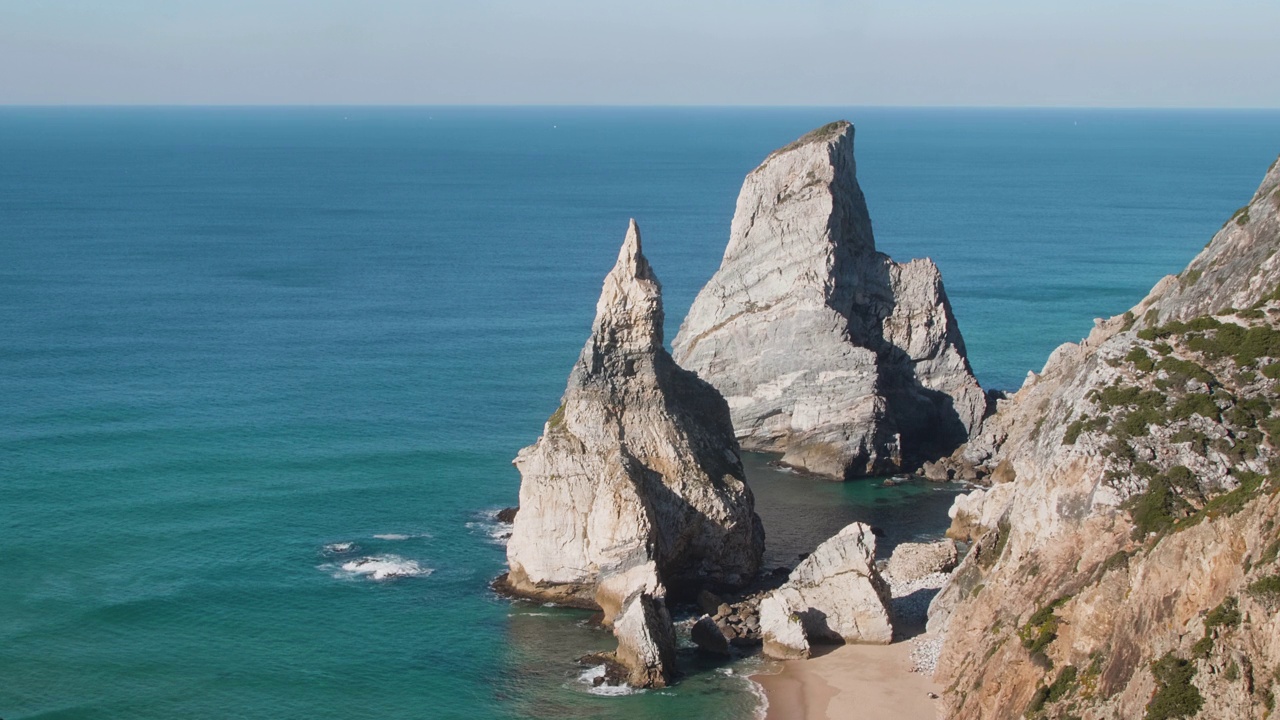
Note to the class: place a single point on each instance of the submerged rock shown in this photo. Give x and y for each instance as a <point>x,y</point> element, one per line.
<point>636,483</point>
<point>835,596</point>
<point>828,351</point>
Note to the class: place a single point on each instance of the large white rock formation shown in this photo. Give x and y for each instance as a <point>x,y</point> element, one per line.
<point>635,485</point>
<point>828,351</point>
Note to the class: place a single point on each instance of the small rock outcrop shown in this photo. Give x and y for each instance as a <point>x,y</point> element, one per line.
<point>835,595</point>
<point>635,486</point>
<point>828,351</point>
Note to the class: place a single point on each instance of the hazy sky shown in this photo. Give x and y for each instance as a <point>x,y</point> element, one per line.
<point>740,52</point>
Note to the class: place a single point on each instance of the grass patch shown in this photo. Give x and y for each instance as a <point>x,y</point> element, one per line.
<point>556,421</point>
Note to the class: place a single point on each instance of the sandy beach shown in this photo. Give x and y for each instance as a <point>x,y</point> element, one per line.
<point>853,682</point>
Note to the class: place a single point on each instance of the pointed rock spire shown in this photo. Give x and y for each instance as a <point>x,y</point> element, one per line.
<point>635,485</point>
<point>629,313</point>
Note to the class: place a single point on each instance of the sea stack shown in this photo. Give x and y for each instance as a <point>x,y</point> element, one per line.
<point>635,487</point>
<point>828,351</point>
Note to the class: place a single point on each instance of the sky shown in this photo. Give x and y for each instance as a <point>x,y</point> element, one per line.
<point>1085,53</point>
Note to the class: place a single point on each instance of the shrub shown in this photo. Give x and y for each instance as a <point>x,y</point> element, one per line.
<point>1140,359</point>
<point>1175,696</point>
<point>1180,371</point>
<point>1266,589</point>
<point>1195,404</point>
<point>1227,614</point>
<point>1041,629</point>
<point>1158,508</point>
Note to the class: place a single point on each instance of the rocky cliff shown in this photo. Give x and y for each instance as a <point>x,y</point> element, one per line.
<point>828,351</point>
<point>635,486</point>
<point>1125,556</point>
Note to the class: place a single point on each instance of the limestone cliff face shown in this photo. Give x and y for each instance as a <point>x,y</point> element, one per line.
<point>635,485</point>
<point>1125,556</point>
<point>827,351</point>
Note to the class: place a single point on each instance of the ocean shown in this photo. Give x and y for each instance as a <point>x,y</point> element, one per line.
<point>247,348</point>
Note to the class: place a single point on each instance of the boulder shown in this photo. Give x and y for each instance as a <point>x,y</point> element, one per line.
<point>708,637</point>
<point>835,596</point>
<point>646,641</point>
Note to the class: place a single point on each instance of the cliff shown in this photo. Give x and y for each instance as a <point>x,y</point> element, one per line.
<point>1125,555</point>
<point>827,351</point>
<point>635,486</point>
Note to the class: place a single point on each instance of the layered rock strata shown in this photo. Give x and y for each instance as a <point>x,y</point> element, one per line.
<point>828,351</point>
<point>835,595</point>
<point>1125,557</point>
<point>635,486</point>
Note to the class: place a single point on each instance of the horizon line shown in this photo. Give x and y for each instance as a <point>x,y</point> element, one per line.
<point>634,106</point>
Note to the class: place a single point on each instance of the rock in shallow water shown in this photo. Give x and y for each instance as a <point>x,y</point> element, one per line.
<point>707,636</point>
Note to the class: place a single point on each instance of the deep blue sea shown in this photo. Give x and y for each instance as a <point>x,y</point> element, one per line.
<point>233,338</point>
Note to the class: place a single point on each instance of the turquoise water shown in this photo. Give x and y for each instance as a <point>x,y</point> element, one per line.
<point>234,337</point>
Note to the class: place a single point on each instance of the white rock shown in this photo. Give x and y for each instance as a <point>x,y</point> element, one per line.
<point>836,595</point>
<point>636,483</point>
<point>646,641</point>
<point>828,351</point>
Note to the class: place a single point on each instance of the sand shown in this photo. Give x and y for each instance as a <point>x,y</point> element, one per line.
<point>857,682</point>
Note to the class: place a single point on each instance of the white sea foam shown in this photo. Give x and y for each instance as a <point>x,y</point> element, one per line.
<point>762,700</point>
<point>384,567</point>
<point>341,548</point>
<point>592,674</point>
<point>498,533</point>
<point>393,536</point>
